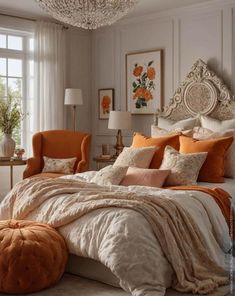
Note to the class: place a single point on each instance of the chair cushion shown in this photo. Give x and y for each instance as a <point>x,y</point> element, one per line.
<point>32,256</point>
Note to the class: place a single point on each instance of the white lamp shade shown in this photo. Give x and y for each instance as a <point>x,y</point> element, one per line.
<point>119,120</point>
<point>73,96</point>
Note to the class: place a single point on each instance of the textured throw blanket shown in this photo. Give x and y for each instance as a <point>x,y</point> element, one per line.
<point>221,197</point>
<point>179,236</point>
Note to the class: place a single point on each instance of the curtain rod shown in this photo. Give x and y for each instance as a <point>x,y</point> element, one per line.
<point>27,19</point>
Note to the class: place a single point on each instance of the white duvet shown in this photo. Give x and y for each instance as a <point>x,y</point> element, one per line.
<point>123,240</point>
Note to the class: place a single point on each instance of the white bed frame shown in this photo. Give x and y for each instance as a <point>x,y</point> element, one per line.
<point>202,92</point>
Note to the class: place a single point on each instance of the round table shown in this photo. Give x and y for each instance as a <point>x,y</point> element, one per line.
<point>11,163</point>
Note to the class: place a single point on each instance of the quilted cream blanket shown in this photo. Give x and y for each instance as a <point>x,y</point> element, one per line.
<point>150,239</point>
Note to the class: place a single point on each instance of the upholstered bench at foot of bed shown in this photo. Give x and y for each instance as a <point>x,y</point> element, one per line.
<point>32,256</point>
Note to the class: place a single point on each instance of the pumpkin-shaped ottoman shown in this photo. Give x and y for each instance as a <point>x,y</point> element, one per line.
<point>32,256</point>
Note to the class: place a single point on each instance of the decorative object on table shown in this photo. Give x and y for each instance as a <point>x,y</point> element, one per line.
<point>106,102</point>
<point>40,255</point>
<point>87,14</point>
<point>10,118</point>
<point>106,151</point>
<point>119,120</point>
<point>73,97</point>
<point>19,153</point>
<point>144,80</point>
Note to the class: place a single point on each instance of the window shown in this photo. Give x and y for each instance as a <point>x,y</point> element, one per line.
<point>17,77</point>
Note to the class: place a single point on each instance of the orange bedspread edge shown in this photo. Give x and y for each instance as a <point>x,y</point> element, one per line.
<point>221,197</point>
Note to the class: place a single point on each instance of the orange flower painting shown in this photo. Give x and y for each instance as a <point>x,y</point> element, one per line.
<point>106,101</point>
<point>144,84</point>
<point>144,81</point>
<point>106,98</point>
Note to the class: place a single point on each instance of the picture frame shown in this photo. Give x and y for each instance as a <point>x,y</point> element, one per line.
<point>106,102</point>
<point>144,82</point>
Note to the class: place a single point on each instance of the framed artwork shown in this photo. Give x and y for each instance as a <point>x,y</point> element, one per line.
<point>144,80</point>
<point>106,102</point>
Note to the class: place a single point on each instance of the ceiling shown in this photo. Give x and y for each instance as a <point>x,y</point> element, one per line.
<point>30,8</point>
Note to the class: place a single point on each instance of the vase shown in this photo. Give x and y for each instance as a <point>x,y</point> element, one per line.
<point>7,146</point>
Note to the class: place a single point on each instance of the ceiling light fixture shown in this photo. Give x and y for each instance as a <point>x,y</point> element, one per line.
<point>87,14</point>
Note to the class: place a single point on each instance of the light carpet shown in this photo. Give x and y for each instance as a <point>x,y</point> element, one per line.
<point>71,285</point>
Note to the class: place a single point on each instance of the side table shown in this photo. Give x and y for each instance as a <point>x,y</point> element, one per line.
<point>102,162</point>
<point>11,164</point>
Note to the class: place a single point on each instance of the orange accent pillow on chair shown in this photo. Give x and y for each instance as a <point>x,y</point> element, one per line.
<point>140,140</point>
<point>213,168</point>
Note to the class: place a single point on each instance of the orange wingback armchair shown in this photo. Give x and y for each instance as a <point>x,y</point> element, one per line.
<point>59,144</point>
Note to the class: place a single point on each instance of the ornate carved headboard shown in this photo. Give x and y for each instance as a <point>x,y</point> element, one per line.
<point>202,92</point>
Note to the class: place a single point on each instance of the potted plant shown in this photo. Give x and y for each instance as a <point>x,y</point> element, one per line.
<point>10,118</point>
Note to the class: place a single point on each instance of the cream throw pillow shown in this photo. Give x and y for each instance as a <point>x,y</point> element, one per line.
<point>184,167</point>
<point>110,175</point>
<point>136,157</point>
<point>216,125</point>
<point>161,132</point>
<point>55,165</point>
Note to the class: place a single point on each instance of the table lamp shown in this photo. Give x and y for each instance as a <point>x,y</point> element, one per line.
<point>73,97</point>
<point>119,120</point>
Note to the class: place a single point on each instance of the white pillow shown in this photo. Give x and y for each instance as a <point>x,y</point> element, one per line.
<point>136,157</point>
<point>110,175</point>
<point>184,124</point>
<point>184,167</point>
<point>205,134</point>
<point>216,125</point>
<point>56,165</point>
<point>161,132</point>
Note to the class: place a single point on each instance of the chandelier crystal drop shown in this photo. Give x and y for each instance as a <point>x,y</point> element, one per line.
<point>87,14</point>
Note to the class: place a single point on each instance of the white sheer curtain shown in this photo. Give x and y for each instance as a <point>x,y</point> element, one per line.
<point>49,76</point>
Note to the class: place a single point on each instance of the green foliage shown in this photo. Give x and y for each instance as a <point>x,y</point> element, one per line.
<point>10,114</point>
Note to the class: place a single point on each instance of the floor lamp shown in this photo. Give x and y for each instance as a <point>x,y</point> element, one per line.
<point>73,97</point>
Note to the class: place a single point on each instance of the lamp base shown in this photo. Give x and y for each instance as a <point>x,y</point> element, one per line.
<point>119,144</point>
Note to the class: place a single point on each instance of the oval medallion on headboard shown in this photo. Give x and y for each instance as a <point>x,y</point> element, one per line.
<point>200,98</point>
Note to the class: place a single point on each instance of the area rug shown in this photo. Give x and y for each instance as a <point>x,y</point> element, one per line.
<point>71,285</point>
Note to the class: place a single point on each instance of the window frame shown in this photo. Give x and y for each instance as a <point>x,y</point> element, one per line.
<point>26,56</point>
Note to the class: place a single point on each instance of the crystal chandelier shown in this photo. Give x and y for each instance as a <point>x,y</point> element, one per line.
<point>87,14</point>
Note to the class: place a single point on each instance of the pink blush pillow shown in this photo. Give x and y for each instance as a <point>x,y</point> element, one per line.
<point>145,177</point>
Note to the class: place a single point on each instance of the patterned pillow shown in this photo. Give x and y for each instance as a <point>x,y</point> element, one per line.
<point>55,165</point>
<point>136,157</point>
<point>110,175</point>
<point>184,167</point>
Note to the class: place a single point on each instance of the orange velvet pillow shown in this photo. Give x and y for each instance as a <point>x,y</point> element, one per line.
<point>160,142</point>
<point>213,168</point>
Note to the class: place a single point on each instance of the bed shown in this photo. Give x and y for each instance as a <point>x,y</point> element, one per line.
<point>107,228</point>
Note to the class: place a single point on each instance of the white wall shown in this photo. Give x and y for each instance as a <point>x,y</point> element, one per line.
<point>205,31</point>
<point>78,61</point>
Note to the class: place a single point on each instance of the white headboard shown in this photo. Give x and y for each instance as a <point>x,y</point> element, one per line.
<point>202,92</point>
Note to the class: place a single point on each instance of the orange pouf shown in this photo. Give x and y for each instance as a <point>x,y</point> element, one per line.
<point>32,256</point>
